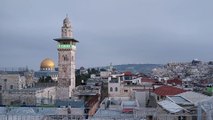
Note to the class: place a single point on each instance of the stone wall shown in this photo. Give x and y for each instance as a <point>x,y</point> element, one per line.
<point>31,96</point>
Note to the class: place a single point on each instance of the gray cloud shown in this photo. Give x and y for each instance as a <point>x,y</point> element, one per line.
<point>121,31</point>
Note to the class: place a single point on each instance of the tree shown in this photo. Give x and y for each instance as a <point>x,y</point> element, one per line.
<point>47,79</point>
<point>41,79</point>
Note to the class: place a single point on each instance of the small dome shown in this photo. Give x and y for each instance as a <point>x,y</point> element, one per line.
<point>47,64</point>
<point>66,20</point>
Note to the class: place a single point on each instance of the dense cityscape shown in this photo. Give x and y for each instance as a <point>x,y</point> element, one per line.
<point>128,60</point>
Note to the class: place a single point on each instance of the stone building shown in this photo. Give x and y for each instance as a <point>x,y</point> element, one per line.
<point>19,90</point>
<point>66,61</point>
<point>12,81</point>
<point>29,79</point>
<point>114,85</point>
<point>123,85</point>
<point>29,96</point>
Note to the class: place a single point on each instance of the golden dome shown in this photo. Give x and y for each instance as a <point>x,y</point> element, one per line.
<point>47,64</point>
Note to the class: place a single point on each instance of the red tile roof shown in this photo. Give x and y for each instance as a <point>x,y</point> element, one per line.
<point>128,73</point>
<point>127,110</point>
<point>148,80</point>
<point>168,90</point>
<point>174,81</point>
<point>92,100</point>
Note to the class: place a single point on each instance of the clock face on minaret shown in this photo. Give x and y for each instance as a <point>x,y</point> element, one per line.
<point>66,61</point>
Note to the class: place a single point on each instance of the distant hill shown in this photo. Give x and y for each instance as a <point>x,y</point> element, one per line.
<point>134,68</point>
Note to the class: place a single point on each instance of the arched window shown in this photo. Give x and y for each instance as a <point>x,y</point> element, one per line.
<point>65,57</point>
<point>111,89</point>
<point>116,89</point>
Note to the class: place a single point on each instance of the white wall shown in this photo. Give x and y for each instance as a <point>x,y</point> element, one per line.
<point>105,74</point>
<point>15,80</point>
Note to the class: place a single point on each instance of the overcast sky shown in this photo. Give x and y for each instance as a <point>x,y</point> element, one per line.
<point>117,31</point>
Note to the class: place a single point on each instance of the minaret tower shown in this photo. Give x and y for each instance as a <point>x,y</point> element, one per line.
<point>66,61</point>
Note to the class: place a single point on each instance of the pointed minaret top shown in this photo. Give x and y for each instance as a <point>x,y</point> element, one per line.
<point>66,28</point>
<point>66,32</point>
<point>66,20</point>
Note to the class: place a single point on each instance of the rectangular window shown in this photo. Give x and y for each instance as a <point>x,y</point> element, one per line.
<point>11,86</point>
<point>181,117</point>
<point>125,90</point>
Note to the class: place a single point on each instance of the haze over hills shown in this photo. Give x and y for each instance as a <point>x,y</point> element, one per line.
<point>134,68</point>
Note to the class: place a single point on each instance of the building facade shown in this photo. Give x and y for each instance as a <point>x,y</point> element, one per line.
<point>20,90</point>
<point>12,81</point>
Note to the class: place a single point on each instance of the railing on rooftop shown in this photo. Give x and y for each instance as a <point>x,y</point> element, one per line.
<point>85,92</point>
<point>101,117</point>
